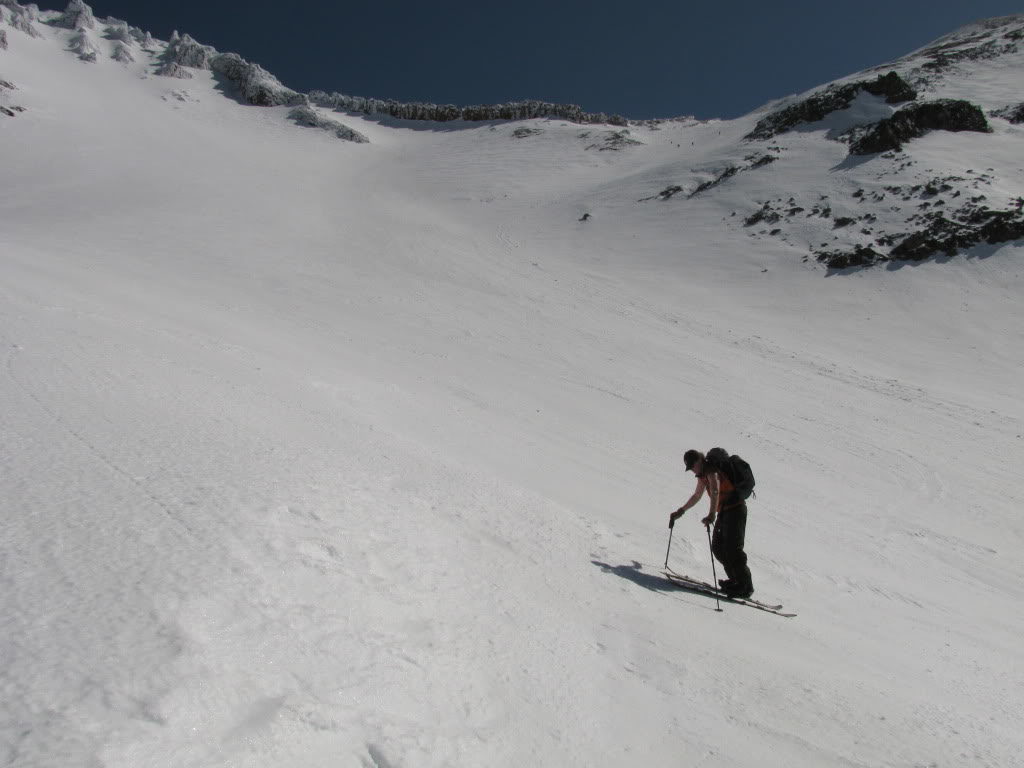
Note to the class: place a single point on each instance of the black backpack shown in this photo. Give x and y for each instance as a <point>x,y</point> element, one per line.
<point>735,468</point>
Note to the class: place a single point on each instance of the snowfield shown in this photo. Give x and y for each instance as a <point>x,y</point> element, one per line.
<point>323,453</point>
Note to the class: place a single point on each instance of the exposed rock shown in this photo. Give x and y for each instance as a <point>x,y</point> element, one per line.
<point>832,99</point>
<point>307,116</point>
<point>754,161</point>
<point>12,110</point>
<point>615,141</point>
<point>895,89</point>
<point>948,235</point>
<point>667,193</point>
<point>728,173</point>
<point>1014,113</point>
<point>3,40</point>
<point>917,120</point>
<point>522,133</point>
<point>518,110</point>
<point>766,214</point>
<point>941,232</point>
<point>257,86</point>
<point>859,256</point>
<point>78,16</point>
<point>975,48</point>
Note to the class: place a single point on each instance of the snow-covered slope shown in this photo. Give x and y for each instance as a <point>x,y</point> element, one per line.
<point>322,452</point>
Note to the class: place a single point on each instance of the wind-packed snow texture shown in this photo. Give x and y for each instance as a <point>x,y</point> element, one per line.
<point>324,453</point>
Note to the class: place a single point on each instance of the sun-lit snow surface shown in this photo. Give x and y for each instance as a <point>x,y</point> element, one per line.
<point>333,454</point>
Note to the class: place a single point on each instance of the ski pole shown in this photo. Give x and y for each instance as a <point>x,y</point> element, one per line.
<point>670,531</point>
<point>714,575</point>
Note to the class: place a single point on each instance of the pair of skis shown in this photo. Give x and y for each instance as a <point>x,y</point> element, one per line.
<point>696,585</point>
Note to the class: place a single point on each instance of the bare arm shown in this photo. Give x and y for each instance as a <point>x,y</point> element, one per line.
<point>701,485</point>
<point>697,495</point>
<point>712,483</point>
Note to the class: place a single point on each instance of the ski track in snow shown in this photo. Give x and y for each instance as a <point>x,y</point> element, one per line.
<point>363,455</point>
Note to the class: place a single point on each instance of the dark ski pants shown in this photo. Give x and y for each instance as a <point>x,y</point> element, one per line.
<point>727,543</point>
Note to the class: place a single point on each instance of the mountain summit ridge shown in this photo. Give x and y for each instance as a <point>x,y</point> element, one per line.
<point>963,82</point>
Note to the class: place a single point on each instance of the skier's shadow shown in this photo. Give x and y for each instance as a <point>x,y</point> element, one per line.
<point>635,573</point>
<point>652,581</point>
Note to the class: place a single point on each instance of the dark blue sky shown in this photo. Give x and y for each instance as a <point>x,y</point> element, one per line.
<point>652,59</point>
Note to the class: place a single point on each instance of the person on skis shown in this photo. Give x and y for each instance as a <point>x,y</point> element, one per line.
<point>728,513</point>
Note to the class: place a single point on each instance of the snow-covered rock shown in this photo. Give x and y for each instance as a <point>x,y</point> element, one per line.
<point>256,85</point>
<point>307,116</point>
<point>185,51</point>
<point>119,30</point>
<point>1014,113</point>
<point>833,99</point>
<point>518,110</point>
<point>10,110</point>
<point>123,53</point>
<point>173,69</point>
<point>78,16</point>
<point>22,17</point>
<point>82,44</point>
<point>915,121</point>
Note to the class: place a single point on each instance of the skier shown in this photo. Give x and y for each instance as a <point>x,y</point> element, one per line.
<point>728,513</point>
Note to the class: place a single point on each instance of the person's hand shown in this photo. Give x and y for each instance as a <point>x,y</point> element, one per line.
<point>708,521</point>
<point>673,517</point>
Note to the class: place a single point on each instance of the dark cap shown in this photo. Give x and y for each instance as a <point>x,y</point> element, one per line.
<point>690,458</point>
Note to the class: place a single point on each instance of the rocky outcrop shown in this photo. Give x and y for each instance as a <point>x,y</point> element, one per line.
<point>524,132</point>
<point>12,110</point>
<point>859,256</point>
<point>77,16</point>
<point>719,175</point>
<point>1014,113</point>
<point>185,51</point>
<point>832,99</point>
<point>917,120</point>
<point>81,43</point>
<point>940,232</point>
<point>990,39</point>
<point>3,40</point>
<point>442,113</point>
<point>123,53</point>
<point>615,141</point>
<point>949,235</point>
<point>22,17</point>
<point>119,31</point>
<point>307,116</point>
<point>257,86</point>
